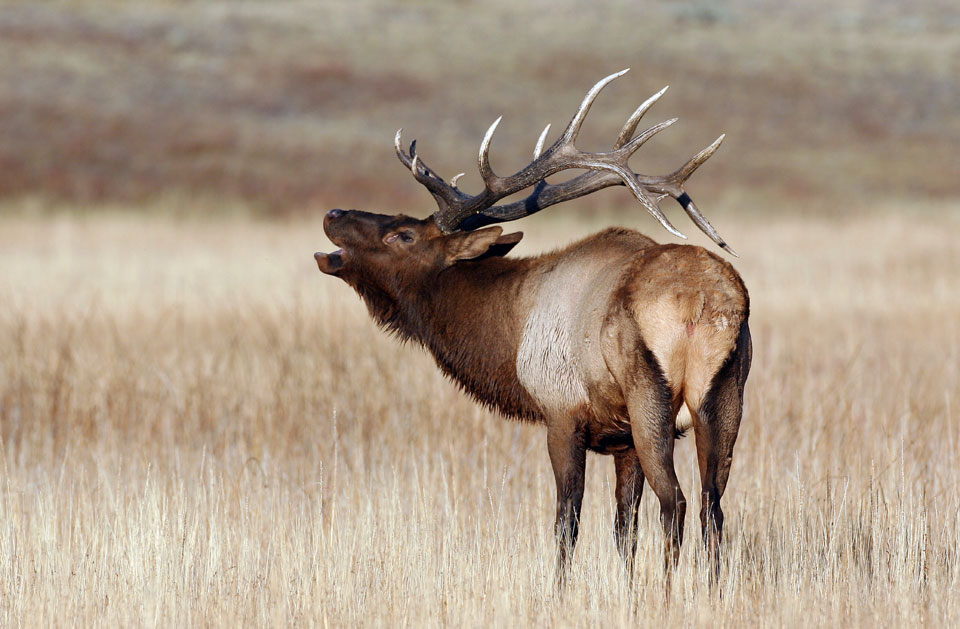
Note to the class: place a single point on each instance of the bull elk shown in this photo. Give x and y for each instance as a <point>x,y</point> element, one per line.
<point>602,341</point>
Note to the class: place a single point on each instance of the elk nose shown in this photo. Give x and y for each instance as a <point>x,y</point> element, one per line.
<point>336,213</point>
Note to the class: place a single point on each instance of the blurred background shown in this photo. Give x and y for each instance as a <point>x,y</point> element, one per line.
<point>288,106</point>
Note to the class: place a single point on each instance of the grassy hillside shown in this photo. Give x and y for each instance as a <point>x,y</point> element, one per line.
<point>284,106</point>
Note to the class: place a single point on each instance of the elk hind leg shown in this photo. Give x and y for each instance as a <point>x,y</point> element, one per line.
<point>651,420</point>
<point>628,492</point>
<point>716,424</point>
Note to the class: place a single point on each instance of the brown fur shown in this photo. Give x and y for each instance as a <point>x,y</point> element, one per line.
<point>602,341</point>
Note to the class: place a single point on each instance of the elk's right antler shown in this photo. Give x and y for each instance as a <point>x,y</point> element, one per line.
<point>458,210</point>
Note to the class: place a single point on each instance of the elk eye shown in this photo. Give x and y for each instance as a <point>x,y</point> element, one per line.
<point>406,236</point>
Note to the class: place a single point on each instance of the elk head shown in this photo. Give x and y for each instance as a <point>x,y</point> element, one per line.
<point>384,257</point>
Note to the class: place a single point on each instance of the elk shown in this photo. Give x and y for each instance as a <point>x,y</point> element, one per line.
<point>602,341</point>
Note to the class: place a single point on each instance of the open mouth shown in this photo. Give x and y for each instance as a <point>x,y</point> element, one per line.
<point>329,263</point>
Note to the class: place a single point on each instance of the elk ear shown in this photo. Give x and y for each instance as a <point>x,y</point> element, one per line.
<point>471,245</point>
<point>502,246</point>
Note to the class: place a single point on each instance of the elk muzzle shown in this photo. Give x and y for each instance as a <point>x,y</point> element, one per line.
<point>331,263</point>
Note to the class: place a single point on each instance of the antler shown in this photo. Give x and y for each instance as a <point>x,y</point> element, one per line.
<point>458,210</point>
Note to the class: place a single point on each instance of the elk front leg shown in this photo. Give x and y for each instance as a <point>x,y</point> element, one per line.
<point>629,490</point>
<point>568,454</point>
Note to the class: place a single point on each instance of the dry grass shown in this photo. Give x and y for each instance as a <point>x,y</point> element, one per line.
<point>198,428</point>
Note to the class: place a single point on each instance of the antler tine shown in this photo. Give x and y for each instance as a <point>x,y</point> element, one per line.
<point>694,163</point>
<point>399,149</point>
<point>631,147</point>
<point>543,136</point>
<point>483,160</point>
<point>672,184</point>
<point>570,133</point>
<point>701,221</point>
<point>409,159</point>
<point>675,189</point>
<point>412,151</point>
<point>631,124</point>
<point>445,196</point>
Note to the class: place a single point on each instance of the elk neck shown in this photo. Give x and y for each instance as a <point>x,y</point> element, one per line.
<point>470,317</point>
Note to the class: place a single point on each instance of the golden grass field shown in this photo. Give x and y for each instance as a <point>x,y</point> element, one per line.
<point>198,428</point>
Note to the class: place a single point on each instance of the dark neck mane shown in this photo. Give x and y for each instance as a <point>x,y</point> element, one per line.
<point>468,318</point>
